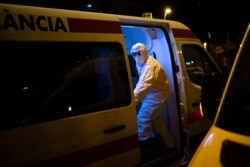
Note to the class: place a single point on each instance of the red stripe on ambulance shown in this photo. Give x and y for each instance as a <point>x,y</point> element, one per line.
<point>93,26</point>
<point>94,154</point>
<point>183,33</point>
<point>195,117</point>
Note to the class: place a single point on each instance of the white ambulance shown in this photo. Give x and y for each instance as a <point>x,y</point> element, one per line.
<point>68,88</point>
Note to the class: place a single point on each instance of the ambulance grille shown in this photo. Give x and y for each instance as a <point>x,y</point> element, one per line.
<point>234,154</point>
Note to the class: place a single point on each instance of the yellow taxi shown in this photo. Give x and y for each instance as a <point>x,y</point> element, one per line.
<point>227,143</point>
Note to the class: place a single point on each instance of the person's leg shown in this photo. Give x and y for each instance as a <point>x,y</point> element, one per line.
<point>160,128</point>
<point>144,122</point>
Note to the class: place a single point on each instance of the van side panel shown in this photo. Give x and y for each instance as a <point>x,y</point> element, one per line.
<point>191,55</point>
<point>69,88</point>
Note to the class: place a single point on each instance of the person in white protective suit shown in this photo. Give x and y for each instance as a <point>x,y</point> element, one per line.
<point>152,90</point>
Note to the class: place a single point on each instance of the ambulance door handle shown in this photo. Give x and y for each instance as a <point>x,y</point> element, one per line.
<point>114,129</point>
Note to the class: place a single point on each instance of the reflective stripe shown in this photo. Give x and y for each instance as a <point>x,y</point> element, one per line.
<point>93,154</point>
<point>194,117</point>
<point>94,26</point>
<point>183,33</point>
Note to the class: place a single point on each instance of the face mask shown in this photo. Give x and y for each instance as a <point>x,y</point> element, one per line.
<point>139,57</point>
<point>139,60</point>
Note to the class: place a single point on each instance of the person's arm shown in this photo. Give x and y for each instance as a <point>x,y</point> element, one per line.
<point>146,80</point>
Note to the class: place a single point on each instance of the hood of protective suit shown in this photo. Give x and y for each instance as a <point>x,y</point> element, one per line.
<point>143,54</point>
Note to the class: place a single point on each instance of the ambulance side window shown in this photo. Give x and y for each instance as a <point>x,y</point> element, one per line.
<point>47,81</point>
<point>197,62</point>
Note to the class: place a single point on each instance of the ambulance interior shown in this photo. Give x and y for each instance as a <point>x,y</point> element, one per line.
<point>158,47</point>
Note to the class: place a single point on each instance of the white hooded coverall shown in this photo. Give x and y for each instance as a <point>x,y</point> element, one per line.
<point>152,90</point>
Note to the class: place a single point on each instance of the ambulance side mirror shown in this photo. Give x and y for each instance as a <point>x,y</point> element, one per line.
<point>212,86</point>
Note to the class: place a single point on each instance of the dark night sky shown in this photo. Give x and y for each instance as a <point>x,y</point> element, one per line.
<point>202,16</point>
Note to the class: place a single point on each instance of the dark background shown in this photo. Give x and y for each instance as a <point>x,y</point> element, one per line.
<point>202,16</point>
<point>205,16</point>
